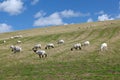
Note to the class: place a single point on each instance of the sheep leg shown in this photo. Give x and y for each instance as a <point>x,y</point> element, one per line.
<point>80,48</point>
<point>42,56</point>
<point>45,47</point>
<point>12,50</point>
<point>39,56</point>
<point>71,49</point>
<point>45,55</point>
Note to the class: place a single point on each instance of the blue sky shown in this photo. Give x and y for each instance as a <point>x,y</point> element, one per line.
<point>28,14</point>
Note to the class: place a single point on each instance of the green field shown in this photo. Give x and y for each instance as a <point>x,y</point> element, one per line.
<point>62,63</point>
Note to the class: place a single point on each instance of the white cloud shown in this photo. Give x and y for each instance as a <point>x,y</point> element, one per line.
<point>104,17</point>
<point>71,13</point>
<point>34,2</point>
<point>5,28</point>
<point>12,7</point>
<point>65,24</point>
<point>90,20</point>
<point>55,18</point>
<point>39,14</point>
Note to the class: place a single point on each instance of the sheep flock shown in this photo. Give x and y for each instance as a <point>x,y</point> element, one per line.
<point>42,52</point>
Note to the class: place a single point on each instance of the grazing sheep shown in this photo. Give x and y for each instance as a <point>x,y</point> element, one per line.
<point>12,47</point>
<point>37,46</point>
<point>103,46</point>
<point>61,41</point>
<point>16,48</point>
<point>76,46</point>
<point>17,36</point>
<point>11,37</point>
<point>41,53</point>
<point>4,41</point>
<point>50,45</point>
<point>86,43</point>
<point>19,41</point>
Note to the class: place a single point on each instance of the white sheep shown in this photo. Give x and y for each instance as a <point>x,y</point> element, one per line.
<point>41,53</point>
<point>61,41</point>
<point>12,47</point>
<point>11,37</point>
<point>19,41</point>
<point>17,36</point>
<point>76,46</point>
<point>16,48</point>
<point>4,41</point>
<point>103,46</point>
<point>37,46</point>
<point>86,43</point>
<point>50,45</point>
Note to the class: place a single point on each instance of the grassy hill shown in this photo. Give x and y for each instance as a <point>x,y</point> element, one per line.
<point>61,63</point>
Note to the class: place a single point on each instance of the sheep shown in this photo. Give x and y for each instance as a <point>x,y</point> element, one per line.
<point>50,45</point>
<point>19,41</point>
<point>37,46</point>
<point>61,41</point>
<point>12,47</point>
<point>4,41</point>
<point>76,46</point>
<point>16,48</point>
<point>17,36</point>
<point>41,53</point>
<point>103,46</point>
<point>11,37</point>
<point>86,43</point>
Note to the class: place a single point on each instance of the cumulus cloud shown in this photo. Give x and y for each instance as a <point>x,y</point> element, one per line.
<point>34,2</point>
<point>12,7</point>
<point>39,14</point>
<point>53,19</point>
<point>90,20</point>
<point>5,28</point>
<point>71,13</point>
<point>56,18</point>
<point>104,17</point>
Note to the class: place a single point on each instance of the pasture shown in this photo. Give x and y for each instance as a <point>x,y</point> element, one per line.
<point>62,63</point>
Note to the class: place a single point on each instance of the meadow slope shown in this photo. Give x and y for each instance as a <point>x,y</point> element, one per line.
<point>62,63</point>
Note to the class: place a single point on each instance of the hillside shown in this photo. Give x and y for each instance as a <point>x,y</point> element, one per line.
<point>62,63</point>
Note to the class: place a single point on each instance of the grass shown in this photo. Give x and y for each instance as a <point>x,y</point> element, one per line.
<point>61,63</point>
